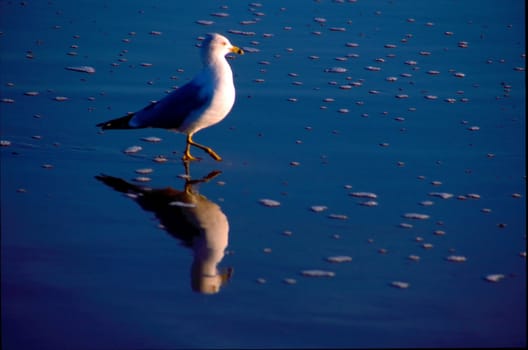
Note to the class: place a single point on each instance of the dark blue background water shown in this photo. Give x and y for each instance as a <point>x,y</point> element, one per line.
<point>85,267</point>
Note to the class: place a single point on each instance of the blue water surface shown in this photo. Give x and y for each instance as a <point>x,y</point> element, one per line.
<point>85,266</point>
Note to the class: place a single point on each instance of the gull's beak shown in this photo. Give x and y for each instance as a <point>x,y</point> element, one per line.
<point>237,50</point>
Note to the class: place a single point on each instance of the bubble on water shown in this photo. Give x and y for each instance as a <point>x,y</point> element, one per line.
<point>290,281</point>
<point>494,278</point>
<point>338,259</point>
<point>364,195</point>
<point>443,195</point>
<point>317,273</point>
<point>152,139</point>
<point>82,69</point>
<point>416,216</point>
<point>373,68</point>
<point>132,149</point>
<point>318,208</point>
<point>60,98</point>
<point>219,14</point>
<point>405,225</point>
<point>287,233</point>
<point>336,70</point>
<point>456,258</point>
<point>204,22</point>
<point>269,202</point>
<point>370,203</point>
<point>383,251</point>
<point>431,97</point>
<point>5,143</point>
<point>338,216</point>
<point>413,257</point>
<point>144,171</point>
<point>160,159</point>
<point>400,284</point>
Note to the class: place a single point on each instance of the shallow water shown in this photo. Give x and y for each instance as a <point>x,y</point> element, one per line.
<point>84,266</point>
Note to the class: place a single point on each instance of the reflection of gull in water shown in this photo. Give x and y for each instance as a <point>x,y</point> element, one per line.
<point>202,102</point>
<point>199,223</point>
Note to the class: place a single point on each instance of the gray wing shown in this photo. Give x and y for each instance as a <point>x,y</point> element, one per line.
<point>171,111</point>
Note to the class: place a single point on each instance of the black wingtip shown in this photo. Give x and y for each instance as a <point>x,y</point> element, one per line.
<point>103,125</point>
<point>119,123</point>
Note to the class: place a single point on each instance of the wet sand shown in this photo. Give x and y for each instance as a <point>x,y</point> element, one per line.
<point>373,177</point>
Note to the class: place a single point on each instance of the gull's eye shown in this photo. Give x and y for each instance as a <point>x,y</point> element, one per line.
<point>224,43</point>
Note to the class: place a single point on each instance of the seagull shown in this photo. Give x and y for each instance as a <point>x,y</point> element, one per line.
<point>204,101</point>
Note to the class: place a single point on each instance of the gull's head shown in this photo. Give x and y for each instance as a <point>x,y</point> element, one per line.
<point>216,45</point>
